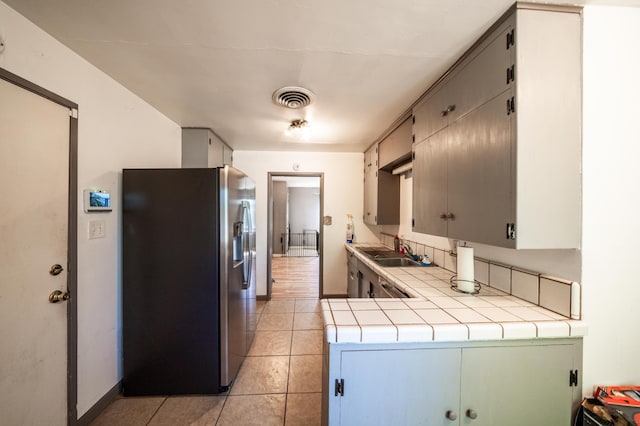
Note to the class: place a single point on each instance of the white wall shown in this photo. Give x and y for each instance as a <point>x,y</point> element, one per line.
<point>611,198</point>
<point>304,209</point>
<point>343,189</point>
<point>116,129</point>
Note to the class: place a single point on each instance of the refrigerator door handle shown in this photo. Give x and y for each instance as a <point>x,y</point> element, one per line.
<point>246,246</point>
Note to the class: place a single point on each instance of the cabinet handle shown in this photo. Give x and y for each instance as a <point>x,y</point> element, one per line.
<point>451,216</point>
<point>511,74</point>
<point>443,216</point>
<point>472,414</point>
<point>451,415</point>
<point>449,109</point>
<point>511,106</point>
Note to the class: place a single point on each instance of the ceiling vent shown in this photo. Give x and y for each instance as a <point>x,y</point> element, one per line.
<point>293,97</point>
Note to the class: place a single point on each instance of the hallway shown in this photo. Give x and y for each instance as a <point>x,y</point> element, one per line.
<point>279,382</point>
<point>295,277</point>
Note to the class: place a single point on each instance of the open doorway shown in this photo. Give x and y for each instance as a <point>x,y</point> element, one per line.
<point>294,264</point>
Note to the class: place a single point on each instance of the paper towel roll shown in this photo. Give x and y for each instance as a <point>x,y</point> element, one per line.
<point>464,265</point>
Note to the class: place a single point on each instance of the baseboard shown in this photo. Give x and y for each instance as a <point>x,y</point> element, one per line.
<point>334,296</point>
<point>262,297</point>
<point>99,406</point>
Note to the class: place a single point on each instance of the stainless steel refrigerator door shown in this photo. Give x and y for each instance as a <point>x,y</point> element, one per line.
<point>233,248</point>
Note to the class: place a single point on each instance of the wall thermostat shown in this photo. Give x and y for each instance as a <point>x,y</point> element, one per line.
<point>97,200</point>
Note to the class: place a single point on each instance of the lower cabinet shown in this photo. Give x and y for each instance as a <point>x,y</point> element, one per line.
<point>353,276</point>
<point>489,383</point>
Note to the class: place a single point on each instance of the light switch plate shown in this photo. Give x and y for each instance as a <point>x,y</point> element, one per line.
<point>96,229</point>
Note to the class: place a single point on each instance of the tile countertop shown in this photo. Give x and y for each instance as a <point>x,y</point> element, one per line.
<point>435,312</point>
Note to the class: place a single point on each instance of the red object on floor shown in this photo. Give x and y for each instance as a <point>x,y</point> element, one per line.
<point>625,400</point>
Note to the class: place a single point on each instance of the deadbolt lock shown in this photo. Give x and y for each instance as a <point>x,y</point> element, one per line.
<point>56,269</point>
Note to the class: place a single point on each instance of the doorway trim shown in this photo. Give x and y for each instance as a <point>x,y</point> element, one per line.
<point>270,176</point>
<point>72,237</point>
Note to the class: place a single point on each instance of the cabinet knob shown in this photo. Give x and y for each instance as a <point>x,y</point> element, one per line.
<point>443,216</point>
<point>451,415</point>
<point>449,109</point>
<point>472,414</point>
<point>451,216</point>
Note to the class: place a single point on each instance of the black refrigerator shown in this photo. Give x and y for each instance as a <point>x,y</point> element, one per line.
<point>188,284</point>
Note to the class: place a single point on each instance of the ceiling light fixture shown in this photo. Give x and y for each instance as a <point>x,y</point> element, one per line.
<point>299,128</point>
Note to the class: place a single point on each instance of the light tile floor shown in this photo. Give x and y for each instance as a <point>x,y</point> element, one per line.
<point>279,382</point>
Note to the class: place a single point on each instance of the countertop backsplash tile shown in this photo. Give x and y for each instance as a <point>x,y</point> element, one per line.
<point>525,285</point>
<point>555,295</point>
<point>500,277</point>
<point>481,270</point>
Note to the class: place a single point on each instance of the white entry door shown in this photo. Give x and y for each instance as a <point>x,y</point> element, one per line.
<point>34,180</point>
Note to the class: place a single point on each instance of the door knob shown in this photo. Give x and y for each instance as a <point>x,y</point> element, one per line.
<point>58,296</point>
<point>472,414</point>
<point>451,415</point>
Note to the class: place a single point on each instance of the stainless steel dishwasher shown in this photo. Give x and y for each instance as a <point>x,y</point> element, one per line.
<point>383,289</point>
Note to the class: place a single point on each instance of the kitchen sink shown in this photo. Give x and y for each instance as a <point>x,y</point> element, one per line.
<point>384,256</point>
<point>396,261</point>
<point>379,252</point>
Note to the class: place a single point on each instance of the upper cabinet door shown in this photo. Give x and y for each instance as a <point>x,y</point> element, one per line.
<point>483,75</point>
<point>216,151</point>
<point>431,113</point>
<point>396,147</point>
<point>430,185</point>
<point>371,185</point>
<point>480,190</point>
<point>201,148</point>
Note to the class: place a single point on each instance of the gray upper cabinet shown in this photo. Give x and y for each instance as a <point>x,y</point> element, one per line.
<point>430,115</point>
<point>497,138</point>
<point>430,164</point>
<point>396,148</point>
<point>479,203</point>
<point>477,78</point>
<point>381,192</point>
<point>201,148</point>
<point>371,185</point>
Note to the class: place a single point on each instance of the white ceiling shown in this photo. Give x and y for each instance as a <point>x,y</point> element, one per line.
<point>214,63</point>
